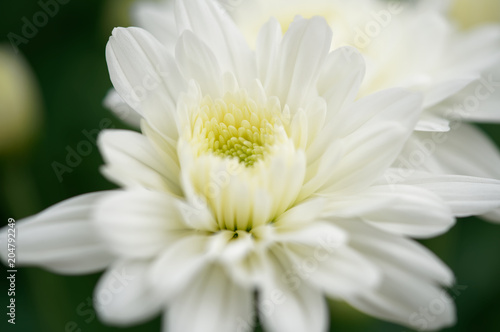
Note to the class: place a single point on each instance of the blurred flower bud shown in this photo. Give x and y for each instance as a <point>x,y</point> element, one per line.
<point>117,13</point>
<point>470,13</point>
<point>20,103</point>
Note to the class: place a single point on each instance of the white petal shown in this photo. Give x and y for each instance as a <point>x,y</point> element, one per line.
<point>372,133</point>
<point>404,299</point>
<point>140,223</point>
<point>392,105</point>
<point>211,24</point>
<point>132,162</point>
<point>285,176</point>
<point>489,109</point>
<point>61,238</point>
<point>473,51</point>
<point>198,62</point>
<point>307,123</point>
<point>235,249</point>
<point>314,234</point>
<point>443,90</point>
<point>337,270</point>
<point>303,52</point>
<point>410,282</point>
<point>212,303</point>
<point>465,150</point>
<point>267,49</point>
<point>488,112</point>
<point>397,251</point>
<point>174,269</point>
<point>157,18</point>
<point>479,101</point>
<point>432,122</point>
<point>466,195</point>
<point>161,142</point>
<point>124,296</point>
<point>249,271</point>
<point>320,167</point>
<point>145,76</point>
<point>285,306</point>
<point>399,209</point>
<point>303,213</point>
<point>341,78</point>
<point>493,216</point>
<point>121,109</point>
<point>302,310</point>
<point>367,155</point>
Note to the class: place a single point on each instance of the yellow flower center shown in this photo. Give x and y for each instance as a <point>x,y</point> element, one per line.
<point>235,126</point>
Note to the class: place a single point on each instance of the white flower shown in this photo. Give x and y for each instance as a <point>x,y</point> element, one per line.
<point>255,188</point>
<point>409,46</point>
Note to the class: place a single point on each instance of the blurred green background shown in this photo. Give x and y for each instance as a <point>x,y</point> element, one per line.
<point>67,58</point>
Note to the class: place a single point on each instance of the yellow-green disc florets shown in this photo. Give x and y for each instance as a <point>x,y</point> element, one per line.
<point>235,126</point>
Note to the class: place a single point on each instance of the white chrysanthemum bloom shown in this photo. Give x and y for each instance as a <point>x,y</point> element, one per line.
<point>404,45</point>
<point>255,189</point>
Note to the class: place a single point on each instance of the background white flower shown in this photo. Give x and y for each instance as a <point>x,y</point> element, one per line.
<point>470,13</point>
<point>297,175</point>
